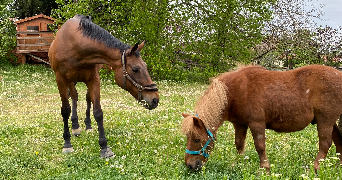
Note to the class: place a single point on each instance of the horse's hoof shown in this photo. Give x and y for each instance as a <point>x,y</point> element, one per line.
<point>89,130</point>
<point>67,150</point>
<point>76,132</point>
<point>106,153</point>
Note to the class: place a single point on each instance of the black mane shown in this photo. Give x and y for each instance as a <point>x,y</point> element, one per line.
<point>94,31</point>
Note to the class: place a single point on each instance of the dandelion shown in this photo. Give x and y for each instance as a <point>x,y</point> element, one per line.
<point>304,176</point>
<point>106,162</point>
<point>37,152</point>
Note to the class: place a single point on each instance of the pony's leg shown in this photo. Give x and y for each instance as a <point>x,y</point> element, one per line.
<point>87,120</point>
<point>337,139</point>
<point>65,111</point>
<point>240,137</point>
<point>325,131</point>
<point>76,130</point>
<point>94,91</point>
<point>258,133</point>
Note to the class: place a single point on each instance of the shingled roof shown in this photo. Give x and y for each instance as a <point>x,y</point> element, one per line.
<point>34,17</point>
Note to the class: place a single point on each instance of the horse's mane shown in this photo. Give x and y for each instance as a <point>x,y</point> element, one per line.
<point>209,108</point>
<point>93,31</point>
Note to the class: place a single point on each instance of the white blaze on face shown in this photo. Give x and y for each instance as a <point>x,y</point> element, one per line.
<point>307,91</point>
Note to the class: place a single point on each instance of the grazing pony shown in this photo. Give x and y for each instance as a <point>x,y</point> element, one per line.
<point>77,53</point>
<point>255,98</point>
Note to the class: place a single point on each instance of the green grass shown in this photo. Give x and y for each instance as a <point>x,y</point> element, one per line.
<point>147,144</point>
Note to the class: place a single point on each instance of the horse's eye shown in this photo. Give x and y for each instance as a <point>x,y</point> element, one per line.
<point>197,140</point>
<point>136,70</point>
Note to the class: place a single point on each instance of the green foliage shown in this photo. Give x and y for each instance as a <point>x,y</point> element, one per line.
<point>28,8</point>
<point>7,33</point>
<point>212,35</point>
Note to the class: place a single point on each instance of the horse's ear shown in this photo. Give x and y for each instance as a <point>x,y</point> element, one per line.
<point>141,46</point>
<point>133,49</point>
<point>185,115</point>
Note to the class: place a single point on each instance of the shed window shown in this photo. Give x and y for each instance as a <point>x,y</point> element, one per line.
<point>33,28</point>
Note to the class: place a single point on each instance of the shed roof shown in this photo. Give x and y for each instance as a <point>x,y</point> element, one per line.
<point>34,17</point>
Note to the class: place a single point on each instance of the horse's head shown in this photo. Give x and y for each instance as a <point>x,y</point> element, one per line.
<point>134,77</point>
<point>199,142</point>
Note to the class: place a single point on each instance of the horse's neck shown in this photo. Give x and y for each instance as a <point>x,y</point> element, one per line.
<point>98,53</point>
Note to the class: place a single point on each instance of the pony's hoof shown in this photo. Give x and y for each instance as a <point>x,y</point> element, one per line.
<point>76,132</point>
<point>67,150</point>
<point>106,153</point>
<point>89,130</point>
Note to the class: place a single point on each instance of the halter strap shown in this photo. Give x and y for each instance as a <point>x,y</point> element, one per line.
<point>150,87</point>
<point>202,151</point>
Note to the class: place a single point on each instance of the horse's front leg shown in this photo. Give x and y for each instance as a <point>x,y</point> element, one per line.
<point>65,112</point>
<point>94,91</point>
<point>76,130</point>
<point>240,137</point>
<point>258,133</point>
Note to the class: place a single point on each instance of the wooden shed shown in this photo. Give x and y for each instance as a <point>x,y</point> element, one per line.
<point>34,38</point>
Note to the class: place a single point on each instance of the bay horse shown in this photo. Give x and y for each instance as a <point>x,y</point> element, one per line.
<point>258,99</point>
<point>79,50</point>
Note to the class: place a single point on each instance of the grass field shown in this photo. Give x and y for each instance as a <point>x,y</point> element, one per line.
<point>147,144</point>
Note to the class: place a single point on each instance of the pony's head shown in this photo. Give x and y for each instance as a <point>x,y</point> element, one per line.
<point>134,77</point>
<point>199,142</point>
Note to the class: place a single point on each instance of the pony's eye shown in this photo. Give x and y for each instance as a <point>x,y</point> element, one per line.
<point>136,70</point>
<point>197,140</point>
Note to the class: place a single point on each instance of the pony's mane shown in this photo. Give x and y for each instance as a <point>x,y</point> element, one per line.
<point>93,31</point>
<point>209,108</point>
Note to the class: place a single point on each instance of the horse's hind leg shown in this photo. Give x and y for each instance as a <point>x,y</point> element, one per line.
<point>87,120</point>
<point>94,91</point>
<point>76,130</point>
<point>337,138</point>
<point>65,111</point>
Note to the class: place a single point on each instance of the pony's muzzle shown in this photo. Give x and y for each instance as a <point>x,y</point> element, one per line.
<point>197,166</point>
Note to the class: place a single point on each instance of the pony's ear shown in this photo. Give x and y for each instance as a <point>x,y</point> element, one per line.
<point>197,122</point>
<point>141,46</point>
<point>185,115</point>
<point>133,49</point>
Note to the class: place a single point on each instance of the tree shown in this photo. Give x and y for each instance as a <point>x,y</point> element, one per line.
<point>291,35</point>
<point>203,36</point>
<point>28,8</point>
<point>7,32</point>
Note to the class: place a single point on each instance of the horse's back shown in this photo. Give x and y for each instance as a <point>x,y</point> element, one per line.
<point>286,101</point>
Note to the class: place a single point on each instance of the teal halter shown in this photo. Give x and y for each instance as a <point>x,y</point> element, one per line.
<point>202,151</point>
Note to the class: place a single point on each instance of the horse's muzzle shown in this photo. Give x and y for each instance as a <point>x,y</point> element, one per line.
<point>150,104</point>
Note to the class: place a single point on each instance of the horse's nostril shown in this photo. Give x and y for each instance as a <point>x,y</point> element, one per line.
<point>155,101</point>
<point>190,167</point>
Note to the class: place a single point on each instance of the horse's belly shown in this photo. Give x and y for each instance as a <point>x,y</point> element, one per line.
<point>291,125</point>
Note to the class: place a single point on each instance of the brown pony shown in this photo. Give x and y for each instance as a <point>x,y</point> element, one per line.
<point>256,98</point>
<point>77,54</point>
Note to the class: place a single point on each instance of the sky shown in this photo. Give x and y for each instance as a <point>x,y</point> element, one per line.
<point>332,12</point>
